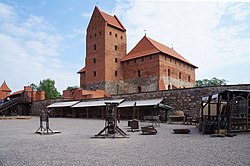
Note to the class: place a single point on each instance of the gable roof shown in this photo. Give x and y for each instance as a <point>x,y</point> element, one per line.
<point>148,46</point>
<point>81,71</point>
<point>111,20</point>
<point>5,87</point>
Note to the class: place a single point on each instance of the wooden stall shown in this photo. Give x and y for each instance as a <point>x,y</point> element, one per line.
<point>228,110</point>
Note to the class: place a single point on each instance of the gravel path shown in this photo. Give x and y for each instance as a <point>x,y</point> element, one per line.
<point>20,146</point>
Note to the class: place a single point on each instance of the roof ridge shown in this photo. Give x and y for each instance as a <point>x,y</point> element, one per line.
<point>119,22</point>
<point>170,49</point>
<point>149,39</point>
<point>5,87</point>
<point>111,22</point>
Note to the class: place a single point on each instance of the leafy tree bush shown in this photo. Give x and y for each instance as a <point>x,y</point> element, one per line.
<point>212,82</point>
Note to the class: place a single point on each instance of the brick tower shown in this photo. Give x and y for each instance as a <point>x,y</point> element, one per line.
<point>105,47</point>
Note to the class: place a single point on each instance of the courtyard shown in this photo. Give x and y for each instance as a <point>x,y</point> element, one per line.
<point>74,146</point>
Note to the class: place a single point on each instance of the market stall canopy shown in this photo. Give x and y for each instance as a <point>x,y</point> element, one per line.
<point>140,103</point>
<point>163,106</point>
<point>63,104</point>
<point>96,103</point>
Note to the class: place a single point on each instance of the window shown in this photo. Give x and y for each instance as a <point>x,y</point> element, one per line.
<point>139,73</point>
<point>110,33</point>
<point>121,37</point>
<point>116,60</point>
<point>169,72</point>
<point>83,73</point>
<point>115,35</point>
<point>142,59</point>
<point>116,47</point>
<point>150,57</point>
<point>95,35</point>
<point>116,73</point>
<point>189,78</point>
<point>139,89</point>
<point>94,60</point>
<point>134,60</point>
<point>180,75</point>
<point>169,86</point>
<point>100,33</point>
<point>94,73</point>
<point>95,47</point>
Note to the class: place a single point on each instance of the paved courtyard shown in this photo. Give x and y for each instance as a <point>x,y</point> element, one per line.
<point>74,146</point>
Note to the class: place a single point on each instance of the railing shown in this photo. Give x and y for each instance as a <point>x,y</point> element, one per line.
<point>11,103</point>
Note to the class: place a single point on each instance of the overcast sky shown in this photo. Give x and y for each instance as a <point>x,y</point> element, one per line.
<point>43,39</point>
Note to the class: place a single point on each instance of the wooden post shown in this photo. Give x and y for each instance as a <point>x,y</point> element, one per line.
<point>134,110</point>
<point>138,113</point>
<point>60,112</point>
<point>209,107</point>
<point>218,111</point>
<point>73,112</point>
<point>228,113</point>
<point>102,113</point>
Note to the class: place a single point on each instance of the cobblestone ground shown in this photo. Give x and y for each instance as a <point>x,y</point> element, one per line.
<point>74,146</point>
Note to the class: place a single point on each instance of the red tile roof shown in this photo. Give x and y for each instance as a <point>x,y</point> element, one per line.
<point>111,20</point>
<point>5,87</point>
<point>147,46</point>
<point>16,93</point>
<point>2,95</point>
<point>81,71</point>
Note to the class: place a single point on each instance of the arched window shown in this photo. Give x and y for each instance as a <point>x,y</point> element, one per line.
<point>180,75</point>
<point>95,47</point>
<point>94,60</point>
<point>189,79</point>
<point>116,73</point>
<point>94,73</point>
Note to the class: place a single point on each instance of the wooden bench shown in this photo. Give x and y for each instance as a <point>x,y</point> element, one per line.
<point>153,120</point>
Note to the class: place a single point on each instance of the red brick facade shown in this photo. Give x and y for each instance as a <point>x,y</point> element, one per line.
<point>149,66</point>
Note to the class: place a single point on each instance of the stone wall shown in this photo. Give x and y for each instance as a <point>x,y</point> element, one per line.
<point>38,106</point>
<point>187,100</point>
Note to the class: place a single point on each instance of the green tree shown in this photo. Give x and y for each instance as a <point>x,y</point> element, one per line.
<point>48,86</point>
<point>72,87</point>
<point>212,82</point>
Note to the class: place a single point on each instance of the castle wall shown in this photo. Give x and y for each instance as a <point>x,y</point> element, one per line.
<point>187,100</point>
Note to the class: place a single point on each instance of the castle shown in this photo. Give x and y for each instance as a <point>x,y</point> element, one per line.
<point>149,66</point>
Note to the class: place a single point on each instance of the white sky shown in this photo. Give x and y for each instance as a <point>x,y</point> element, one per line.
<point>46,39</point>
